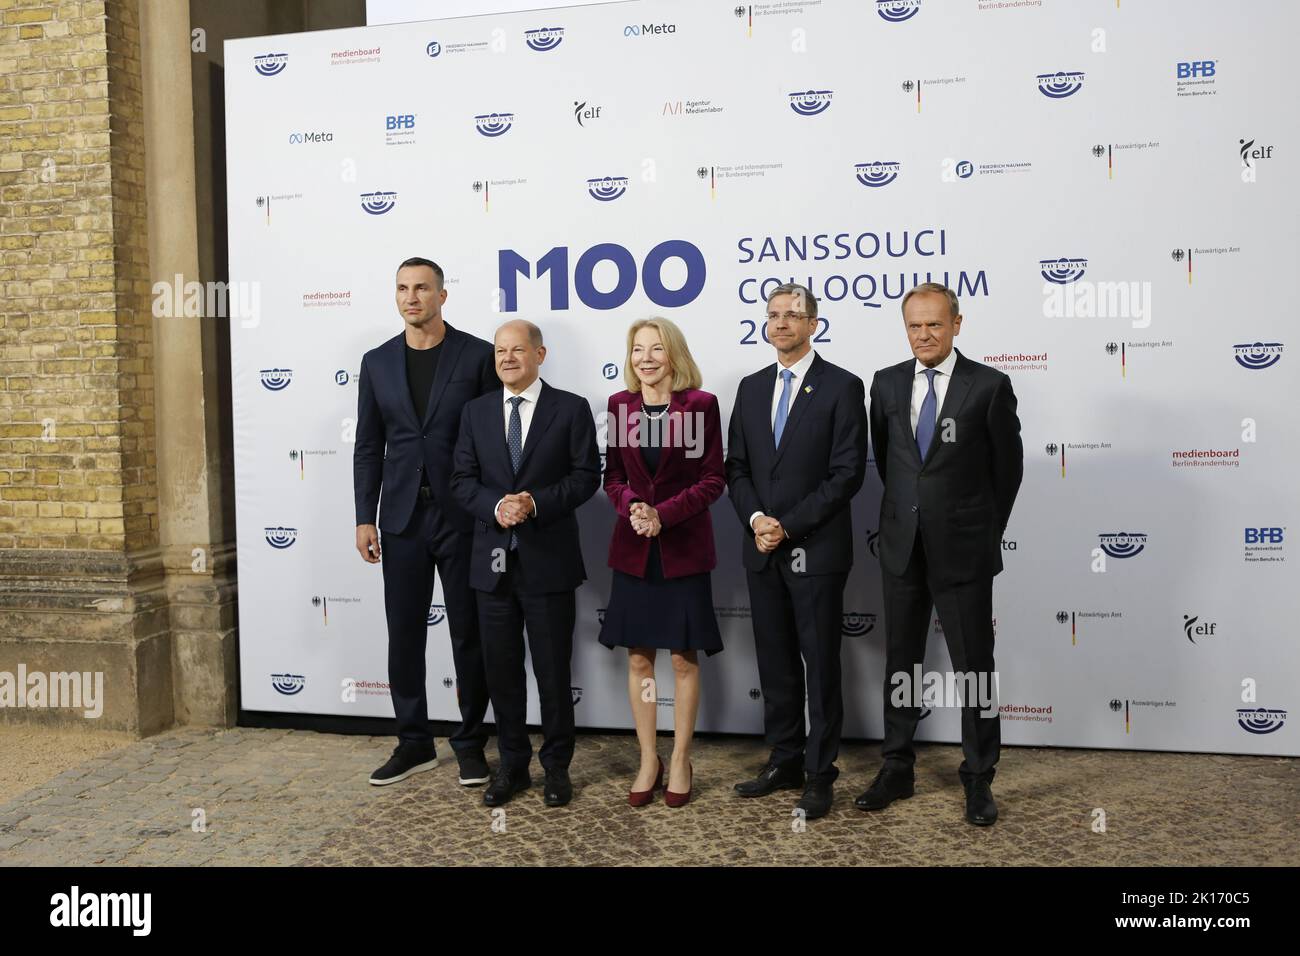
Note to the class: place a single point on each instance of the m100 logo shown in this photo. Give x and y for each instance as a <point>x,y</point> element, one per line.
<point>511,265</point>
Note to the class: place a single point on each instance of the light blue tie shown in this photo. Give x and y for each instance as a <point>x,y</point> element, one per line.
<point>925,421</point>
<point>783,405</point>
<point>515,442</point>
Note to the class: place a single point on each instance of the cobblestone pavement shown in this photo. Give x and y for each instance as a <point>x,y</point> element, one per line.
<point>277,797</point>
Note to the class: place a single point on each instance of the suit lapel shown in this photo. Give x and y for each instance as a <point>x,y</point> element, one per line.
<point>543,415</point>
<point>396,359</point>
<point>906,376</point>
<point>803,397</point>
<point>632,460</point>
<point>671,438</point>
<point>452,345</point>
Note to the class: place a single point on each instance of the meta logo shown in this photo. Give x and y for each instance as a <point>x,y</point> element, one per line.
<point>341,377</point>
<point>269,64</point>
<point>896,11</point>
<point>311,138</point>
<point>1264,535</point>
<point>1260,720</point>
<point>1258,355</point>
<point>610,371</point>
<point>857,623</point>
<point>1122,544</point>
<point>275,379</point>
<point>649,29</point>
<point>965,169</point>
<point>1062,271</point>
<point>1194,68</point>
<point>1250,151</point>
<point>607,189</point>
<point>1058,86</point>
<point>433,49</point>
<point>281,538</point>
<point>400,121</point>
<point>810,103</point>
<point>544,39</point>
<point>582,112</point>
<point>494,124</point>
<point>1194,627</point>
<point>378,203</point>
<point>878,173</point>
<point>288,684</point>
<point>437,614</point>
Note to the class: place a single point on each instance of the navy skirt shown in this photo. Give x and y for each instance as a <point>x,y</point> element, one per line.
<point>654,611</point>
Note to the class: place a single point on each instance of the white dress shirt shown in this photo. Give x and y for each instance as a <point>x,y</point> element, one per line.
<point>526,409</point>
<point>921,386</point>
<point>800,370</point>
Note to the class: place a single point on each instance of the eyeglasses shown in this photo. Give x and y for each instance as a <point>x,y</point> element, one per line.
<point>788,316</point>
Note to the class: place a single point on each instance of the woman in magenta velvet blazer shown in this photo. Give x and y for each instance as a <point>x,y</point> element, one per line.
<point>663,469</point>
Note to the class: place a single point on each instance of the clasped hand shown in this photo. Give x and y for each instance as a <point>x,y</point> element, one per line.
<point>768,534</point>
<point>645,519</point>
<point>515,509</point>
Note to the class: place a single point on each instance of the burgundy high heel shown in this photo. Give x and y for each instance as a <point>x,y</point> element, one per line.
<point>681,799</point>
<point>639,798</point>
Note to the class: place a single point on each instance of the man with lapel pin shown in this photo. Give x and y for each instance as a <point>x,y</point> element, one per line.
<point>410,396</point>
<point>525,461</point>
<point>948,449</point>
<point>796,456</point>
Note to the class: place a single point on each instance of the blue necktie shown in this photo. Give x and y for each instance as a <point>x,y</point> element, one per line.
<point>783,405</point>
<point>515,442</point>
<point>929,412</point>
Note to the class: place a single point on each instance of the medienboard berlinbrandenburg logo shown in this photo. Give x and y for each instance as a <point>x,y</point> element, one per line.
<point>1062,271</point>
<point>1123,544</point>
<point>608,188</point>
<point>378,203</point>
<point>269,64</point>
<point>811,102</point>
<point>494,124</point>
<point>274,379</point>
<point>544,38</point>
<point>879,173</point>
<point>281,537</point>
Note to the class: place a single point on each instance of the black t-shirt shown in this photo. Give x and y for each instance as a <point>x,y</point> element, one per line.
<point>421,366</point>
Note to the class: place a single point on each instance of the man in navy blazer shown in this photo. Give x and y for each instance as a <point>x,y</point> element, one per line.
<point>410,396</point>
<point>526,459</point>
<point>796,456</point>
<point>948,449</point>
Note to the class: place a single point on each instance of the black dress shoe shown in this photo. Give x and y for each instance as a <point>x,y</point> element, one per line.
<point>816,799</point>
<point>770,779</point>
<point>504,786</point>
<point>409,758</point>
<point>980,808</point>
<point>473,769</point>
<point>559,789</point>
<point>890,785</point>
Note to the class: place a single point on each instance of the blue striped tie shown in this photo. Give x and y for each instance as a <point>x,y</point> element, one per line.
<point>515,442</point>
<point>929,412</point>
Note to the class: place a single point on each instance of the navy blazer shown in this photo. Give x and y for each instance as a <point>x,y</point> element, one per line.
<point>961,495</point>
<point>560,468</point>
<point>808,482</point>
<point>393,449</point>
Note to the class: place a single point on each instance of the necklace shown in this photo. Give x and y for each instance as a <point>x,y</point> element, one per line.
<point>651,415</point>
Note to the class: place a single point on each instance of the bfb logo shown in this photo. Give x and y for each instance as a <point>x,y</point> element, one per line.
<point>378,203</point>
<point>401,121</point>
<point>1264,535</point>
<point>274,379</point>
<point>288,684</point>
<point>1194,627</point>
<point>1122,544</point>
<point>280,537</point>
<point>437,614</point>
<point>1195,68</point>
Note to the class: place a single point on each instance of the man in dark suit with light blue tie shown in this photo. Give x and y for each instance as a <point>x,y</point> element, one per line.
<point>525,461</point>
<point>948,449</point>
<point>796,456</point>
<point>410,396</point>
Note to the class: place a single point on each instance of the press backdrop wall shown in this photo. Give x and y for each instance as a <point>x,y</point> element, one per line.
<point>1111,190</point>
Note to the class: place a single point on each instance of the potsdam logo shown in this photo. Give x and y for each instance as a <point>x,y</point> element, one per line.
<point>494,124</point>
<point>1260,720</point>
<point>608,188</point>
<point>269,64</point>
<point>878,173</point>
<point>288,684</point>
<point>544,39</point>
<point>857,623</point>
<point>437,614</point>
<point>281,537</point>
<point>1258,355</point>
<point>274,379</point>
<point>896,11</point>
<point>378,203</point>
<point>811,102</point>
<point>1062,271</point>
<point>1122,544</point>
<point>1058,86</point>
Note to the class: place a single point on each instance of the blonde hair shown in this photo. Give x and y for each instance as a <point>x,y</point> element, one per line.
<point>686,374</point>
